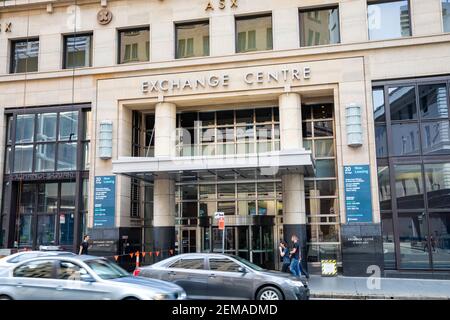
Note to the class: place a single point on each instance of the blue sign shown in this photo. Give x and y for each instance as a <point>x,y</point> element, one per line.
<point>358,196</point>
<point>104,201</point>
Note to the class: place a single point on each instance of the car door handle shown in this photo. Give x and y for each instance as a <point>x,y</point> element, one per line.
<point>59,288</point>
<point>172,273</point>
<point>19,285</point>
<point>212,275</point>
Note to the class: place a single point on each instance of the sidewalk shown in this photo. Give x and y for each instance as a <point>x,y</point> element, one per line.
<point>341,287</point>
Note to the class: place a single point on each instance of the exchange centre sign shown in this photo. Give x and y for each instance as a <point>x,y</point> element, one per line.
<point>104,201</point>
<point>283,76</point>
<point>358,196</point>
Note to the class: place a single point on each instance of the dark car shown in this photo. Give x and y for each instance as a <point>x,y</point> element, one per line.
<point>220,276</point>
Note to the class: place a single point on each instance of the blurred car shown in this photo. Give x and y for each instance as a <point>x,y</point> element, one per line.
<point>220,276</point>
<point>80,278</point>
<point>18,257</point>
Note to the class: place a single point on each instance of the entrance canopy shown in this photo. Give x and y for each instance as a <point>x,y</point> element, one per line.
<point>225,167</point>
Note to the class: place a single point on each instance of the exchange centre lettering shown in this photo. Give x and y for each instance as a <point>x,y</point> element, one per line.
<point>284,76</point>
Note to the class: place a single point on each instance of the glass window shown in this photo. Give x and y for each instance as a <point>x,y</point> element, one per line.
<point>324,111</point>
<point>437,180</point>
<point>191,264</point>
<point>388,19</point>
<point>227,207</point>
<point>66,225</point>
<point>324,148</point>
<point>46,127</point>
<point>446,14</point>
<point>325,168</point>
<point>440,239</point>
<point>207,191</point>
<point>226,191</point>
<point>436,137</point>
<point>381,141</point>
<point>409,186</point>
<point>263,115</point>
<point>26,233</point>
<point>25,55</point>
<point>48,197</point>
<point>378,105</point>
<point>67,156</point>
<point>35,269</point>
<point>70,271</point>
<point>68,125</point>
<point>319,27</point>
<point>244,116</point>
<point>388,240</point>
<point>413,238</point>
<point>207,118</point>
<point>68,192</point>
<point>77,51</point>
<point>246,190</point>
<point>189,192</point>
<point>23,158</point>
<point>254,34</point>
<point>25,128</point>
<point>247,208</point>
<point>433,101</point>
<point>326,188</point>
<point>225,118</point>
<point>402,103</point>
<point>384,188</point>
<point>223,264</point>
<point>134,45</point>
<point>45,157</point>
<point>46,230</point>
<point>192,40</point>
<point>323,128</point>
<point>405,139</point>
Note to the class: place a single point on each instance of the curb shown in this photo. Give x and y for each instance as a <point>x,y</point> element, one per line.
<point>357,296</point>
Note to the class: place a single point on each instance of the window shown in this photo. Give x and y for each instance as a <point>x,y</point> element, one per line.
<point>388,19</point>
<point>77,51</point>
<point>190,264</point>
<point>192,39</point>
<point>319,27</point>
<point>223,265</point>
<point>24,55</point>
<point>70,271</point>
<point>254,33</point>
<point>446,14</point>
<point>35,269</point>
<point>134,45</point>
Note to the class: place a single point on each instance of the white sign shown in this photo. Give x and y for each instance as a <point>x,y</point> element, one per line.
<point>219,215</point>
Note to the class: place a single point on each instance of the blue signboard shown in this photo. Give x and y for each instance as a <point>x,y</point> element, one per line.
<point>358,196</point>
<point>104,201</point>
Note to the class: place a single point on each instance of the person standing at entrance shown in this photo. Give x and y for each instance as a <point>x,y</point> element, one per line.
<point>284,254</point>
<point>295,257</point>
<point>84,247</point>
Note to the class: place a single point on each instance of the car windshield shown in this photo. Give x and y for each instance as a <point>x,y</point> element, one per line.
<point>106,269</point>
<point>248,264</point>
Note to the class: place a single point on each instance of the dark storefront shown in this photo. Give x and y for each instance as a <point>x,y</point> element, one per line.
<point>413,150</point>
<point>45,194</point>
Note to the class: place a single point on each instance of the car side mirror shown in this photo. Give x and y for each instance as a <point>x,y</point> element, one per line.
<point>87,278</point>
<point>242,270</point>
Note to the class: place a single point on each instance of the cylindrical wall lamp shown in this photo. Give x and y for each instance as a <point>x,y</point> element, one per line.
<point>105,139</point>
<point>354,127</point>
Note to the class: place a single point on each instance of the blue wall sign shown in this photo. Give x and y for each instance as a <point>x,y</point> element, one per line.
<point>358,196</point>
<point>104,201</point>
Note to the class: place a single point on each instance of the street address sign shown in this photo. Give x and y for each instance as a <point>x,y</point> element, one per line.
<point>219,215</point>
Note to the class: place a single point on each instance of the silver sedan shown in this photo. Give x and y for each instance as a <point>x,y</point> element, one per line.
<point>80,278</point>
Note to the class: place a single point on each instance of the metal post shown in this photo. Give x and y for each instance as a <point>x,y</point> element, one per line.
<point>223,240</point>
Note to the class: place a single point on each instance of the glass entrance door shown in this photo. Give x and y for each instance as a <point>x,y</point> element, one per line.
<point>189,240</point>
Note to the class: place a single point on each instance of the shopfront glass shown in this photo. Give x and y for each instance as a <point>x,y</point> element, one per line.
<point>414,173</point>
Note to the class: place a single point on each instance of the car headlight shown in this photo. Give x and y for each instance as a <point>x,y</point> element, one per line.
<point>161,296</point>
<point>295,283</point>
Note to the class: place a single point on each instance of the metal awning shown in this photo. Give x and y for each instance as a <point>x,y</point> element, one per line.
<point>226,167</point>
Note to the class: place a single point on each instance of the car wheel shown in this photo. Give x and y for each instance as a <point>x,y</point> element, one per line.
<point>5,298</point>
<point>269,293</point>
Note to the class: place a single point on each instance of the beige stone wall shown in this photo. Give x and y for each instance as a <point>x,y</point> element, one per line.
<point>344,71</point>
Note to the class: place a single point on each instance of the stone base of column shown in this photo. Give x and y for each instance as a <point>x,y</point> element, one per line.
<point>362,250</point>
<point>300,231</point>
<point>163,241</point>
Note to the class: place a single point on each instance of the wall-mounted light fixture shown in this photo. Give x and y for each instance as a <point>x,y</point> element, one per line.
<point>105,139</point>
<point>354,127</point>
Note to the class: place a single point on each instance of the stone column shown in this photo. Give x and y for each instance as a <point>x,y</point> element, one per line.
<point>294,213</point>
<point>164,187</point>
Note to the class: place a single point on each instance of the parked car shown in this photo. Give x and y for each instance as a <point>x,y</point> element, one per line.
<point>18,257</point>
<point>80,278</point>
<point>220,276</point>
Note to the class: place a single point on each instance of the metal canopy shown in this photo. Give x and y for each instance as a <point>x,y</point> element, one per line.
<point>267,165</point>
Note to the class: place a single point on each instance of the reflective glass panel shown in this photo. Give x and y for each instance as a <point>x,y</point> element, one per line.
<point>433,101</point>
<point>437,180</point>
<point>67,156</point>
<point>134,45</point>
<point>25,230</point>
<point>45,157</point>
<point>384,188</point>
<point>413,237</point>
<point>68,125</point>
<point>440,239</point>
<point>405,139</point>
<point>436,137</point>
<point>254,34</point>
<point>23,158</point>
<point>46,127</point>
<point>409,186</point>
<point>46,230</point>
<point>25,128</point>
<point>319,27</point>
<point>378,105</point>
<point>48,198</point>
<point>68,193</point>
<point>381,141</point>
<point>78,51</point>
<point>402,103</point>
<point>446,14</point>
<point>192,40</point>
<point>324,148</point>
<point>25,55</point>
<point>388,240</point>
<point>388,20</point>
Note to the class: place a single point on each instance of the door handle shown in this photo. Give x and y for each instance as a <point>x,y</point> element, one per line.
<point>19,285</point>
<point>212,275</point>
<point>172,273</point>
<point>59,288</point>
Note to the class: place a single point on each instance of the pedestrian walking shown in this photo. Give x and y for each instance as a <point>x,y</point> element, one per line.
<point>295,257</point>
<point>284,254</point>
<point>84,247</point>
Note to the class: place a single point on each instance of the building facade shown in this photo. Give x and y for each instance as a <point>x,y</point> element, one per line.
<point>137,121</point>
